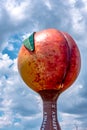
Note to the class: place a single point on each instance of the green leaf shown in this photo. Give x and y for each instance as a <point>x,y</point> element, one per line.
<point>29,42</point>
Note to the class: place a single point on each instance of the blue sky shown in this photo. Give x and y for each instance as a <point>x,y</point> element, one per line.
<point>20,107</point>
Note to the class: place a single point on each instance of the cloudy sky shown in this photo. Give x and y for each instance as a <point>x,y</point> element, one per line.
<point>20,107</point>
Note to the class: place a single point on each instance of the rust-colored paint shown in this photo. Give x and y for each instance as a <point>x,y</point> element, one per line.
<point>54,64</point>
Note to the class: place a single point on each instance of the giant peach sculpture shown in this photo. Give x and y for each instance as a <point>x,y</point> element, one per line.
<point>49,62</point>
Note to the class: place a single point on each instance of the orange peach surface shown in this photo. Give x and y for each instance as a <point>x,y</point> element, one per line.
<point>54,64</point>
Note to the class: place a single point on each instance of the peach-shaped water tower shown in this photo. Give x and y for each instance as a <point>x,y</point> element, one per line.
<point>49,62</point>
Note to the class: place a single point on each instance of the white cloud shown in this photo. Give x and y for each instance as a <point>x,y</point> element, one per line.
<point>16,10</point>
<point>5,120</point>
<point>78,22</point>
<point>10,47</point>
<point>48,4</point>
